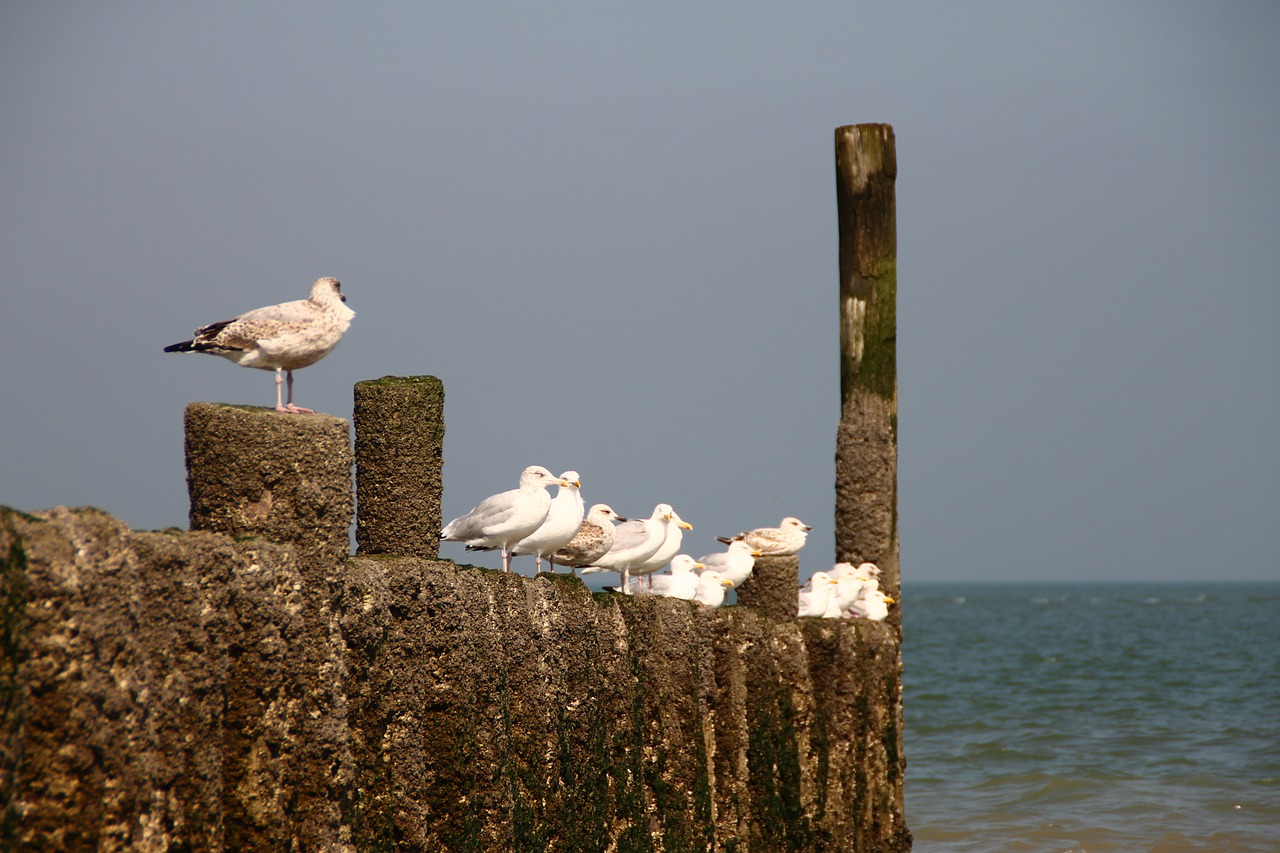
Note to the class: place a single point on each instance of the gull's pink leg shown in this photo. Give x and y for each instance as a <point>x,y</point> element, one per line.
<point>289,406</point>
<point>279,381</point>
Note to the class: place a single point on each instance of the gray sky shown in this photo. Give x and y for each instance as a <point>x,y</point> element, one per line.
<point>612,233</point>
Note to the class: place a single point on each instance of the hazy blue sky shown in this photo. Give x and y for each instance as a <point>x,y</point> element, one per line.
<point>612,233</point>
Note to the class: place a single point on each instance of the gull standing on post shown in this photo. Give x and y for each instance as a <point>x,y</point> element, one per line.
<point>502,520</point>
<point>871,604</point>
<point>667,550</point>
<point>781,541</point>
<point>283,337</point>
<point>633,543</point>
<point>813,600</point>
<point>735,563</point>
<point>592,541</point>
<point>561,524</point>
<point>712,587</point>
<point>681,583</point>
<point>863,583</point>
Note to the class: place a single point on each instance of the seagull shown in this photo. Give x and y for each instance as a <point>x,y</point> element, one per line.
<point>593,539</point>
<point>785,539</point>
<point>282,337</point>
<point>712,587</point>
<point>872,604</point>
<point>846,591</point>
<point>854,583</point>
<point>502,520</point>
<point>735,563</point>
<point>562,521</point>
<point>863,571</point>
<point>667,550</point>
<point>843,591</point>
<point>681,583</point>
<point>813,600</point>
<point>633,543</point>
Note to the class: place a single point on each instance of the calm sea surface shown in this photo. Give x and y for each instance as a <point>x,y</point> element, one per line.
<point>1121,717</point>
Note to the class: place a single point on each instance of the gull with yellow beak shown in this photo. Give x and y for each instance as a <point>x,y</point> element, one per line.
<point>562,522</point>
<point>634,542</point>
<point>502,520</point>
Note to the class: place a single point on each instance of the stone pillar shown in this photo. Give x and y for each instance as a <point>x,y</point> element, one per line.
<point>399,461</point>
<point>285,478</point>
<point>258,472</point>
<point>773,587</point>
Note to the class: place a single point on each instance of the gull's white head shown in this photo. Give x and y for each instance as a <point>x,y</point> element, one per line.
<point>681,563</point>
<point>327,290</point>
<point>535,476</point>
<point>604,512</point>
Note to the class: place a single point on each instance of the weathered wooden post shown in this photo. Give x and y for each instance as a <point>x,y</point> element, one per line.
<point>867,439</point>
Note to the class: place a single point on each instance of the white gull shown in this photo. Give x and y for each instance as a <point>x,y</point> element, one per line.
<point>872,604</point>
<point>682,582</point>
<point>561,524</point>
<point>667,550</point>
<point>814,599</point>
<point>712,587</point>
<point>735,563</point>
<point>634,542</point>
<point>502,520</point>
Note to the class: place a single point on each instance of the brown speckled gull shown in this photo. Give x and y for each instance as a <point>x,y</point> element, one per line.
<point>785,539</point>
<point>592,541</point>
<point>282,337</point>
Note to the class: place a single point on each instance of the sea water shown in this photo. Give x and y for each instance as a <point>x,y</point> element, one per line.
<point>1092,717</point>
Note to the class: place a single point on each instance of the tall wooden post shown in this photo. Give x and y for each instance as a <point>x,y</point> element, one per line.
<point>867,439</point>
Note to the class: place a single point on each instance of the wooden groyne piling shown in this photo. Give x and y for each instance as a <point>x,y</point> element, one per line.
<point>866,518</point>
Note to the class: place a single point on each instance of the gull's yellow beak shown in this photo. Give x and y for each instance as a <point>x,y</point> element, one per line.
<point>686,525</point>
